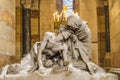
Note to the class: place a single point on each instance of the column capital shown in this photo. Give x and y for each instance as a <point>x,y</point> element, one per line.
<point>26,3</point>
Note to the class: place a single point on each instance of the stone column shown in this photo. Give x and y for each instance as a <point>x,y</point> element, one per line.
<point>26,26</point>
<point>107,30</point>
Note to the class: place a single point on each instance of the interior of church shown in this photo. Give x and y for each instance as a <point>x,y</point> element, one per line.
<point>24,22</point>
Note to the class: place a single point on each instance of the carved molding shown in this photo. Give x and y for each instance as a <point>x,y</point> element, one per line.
<point>34,13</point>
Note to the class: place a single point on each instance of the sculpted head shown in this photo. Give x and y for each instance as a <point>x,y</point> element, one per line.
<point>74,21</point>
<point>49,36</point>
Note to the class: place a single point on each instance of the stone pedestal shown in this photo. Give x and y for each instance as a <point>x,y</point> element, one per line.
<point>77,74</point>
<point>116,71</point>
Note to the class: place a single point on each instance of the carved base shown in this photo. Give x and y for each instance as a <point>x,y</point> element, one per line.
<point>65,75</point>
<point>115,71</point>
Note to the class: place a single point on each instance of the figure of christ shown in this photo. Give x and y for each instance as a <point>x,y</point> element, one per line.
<point>52,45</point>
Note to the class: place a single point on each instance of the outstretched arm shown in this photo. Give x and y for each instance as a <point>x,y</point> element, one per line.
<point>62,36</point>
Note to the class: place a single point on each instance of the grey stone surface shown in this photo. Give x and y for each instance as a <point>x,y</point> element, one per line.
<point>75,75</point>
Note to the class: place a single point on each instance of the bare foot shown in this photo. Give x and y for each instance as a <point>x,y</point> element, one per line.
<point>70,68</point>
<point>44,70</point>
<point>4,71</point>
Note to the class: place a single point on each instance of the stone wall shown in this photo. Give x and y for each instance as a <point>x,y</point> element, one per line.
<point>7,31</point>
<point>47,8</point>
<point>101,35</point>
<point>18,32</point>
<point>114,6</point>
<point>101,32</point>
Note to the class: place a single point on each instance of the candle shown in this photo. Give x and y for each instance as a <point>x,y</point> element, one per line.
<point>76,13</point>
<point>54,16</point>
<point>58,18</point>
<point>63,15</point>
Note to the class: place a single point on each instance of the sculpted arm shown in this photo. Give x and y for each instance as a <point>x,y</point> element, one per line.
<point>62,36</point>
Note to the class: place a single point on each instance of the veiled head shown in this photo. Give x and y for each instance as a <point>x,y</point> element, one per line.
<point>74,21</point>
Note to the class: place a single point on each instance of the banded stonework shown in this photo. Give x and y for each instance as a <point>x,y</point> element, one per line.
<point>114,12</point>
<point>7,31</point>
